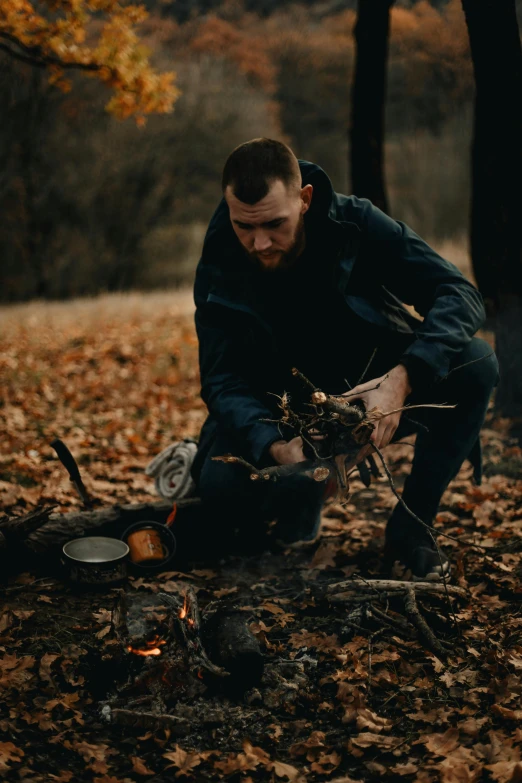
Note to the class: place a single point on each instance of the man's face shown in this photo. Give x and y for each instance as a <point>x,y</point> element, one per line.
<point>272,231</point>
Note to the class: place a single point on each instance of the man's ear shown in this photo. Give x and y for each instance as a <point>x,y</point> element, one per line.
<point>306,198</point>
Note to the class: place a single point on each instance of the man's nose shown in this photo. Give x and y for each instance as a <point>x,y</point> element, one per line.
<point>262,242</point>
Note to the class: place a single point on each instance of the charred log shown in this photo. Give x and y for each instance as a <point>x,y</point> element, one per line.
<point>233,646</point>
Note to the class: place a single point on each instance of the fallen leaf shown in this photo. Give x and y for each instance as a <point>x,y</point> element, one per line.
<point>184,761</point>
<point>405,769</point>
<point>102,616</point>
<point>368,739</point>
<point>441,744</point>
<point>326,763</point>
<point>9,753</point>
<point>314,741</point>
<point>139,766</point>
<point>285,770</point>
<point>14,671</point>
<point>506,771</point>
<point>366,719</point>
<point>507,713</point>
<point>46,662</point>
<point>6,621</point>
<point>225,591</point>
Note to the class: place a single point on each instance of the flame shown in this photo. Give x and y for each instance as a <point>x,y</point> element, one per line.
<point>153,651</point>
<point>183,612</point>
<point>152,648</point>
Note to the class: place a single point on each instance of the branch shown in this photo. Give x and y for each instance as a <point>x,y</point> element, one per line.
<point>33,55</point>
<point>317,470</point>
<point>417,620</point>
<point>343,590</point>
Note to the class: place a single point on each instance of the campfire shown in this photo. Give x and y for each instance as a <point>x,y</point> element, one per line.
<point>167,644</point>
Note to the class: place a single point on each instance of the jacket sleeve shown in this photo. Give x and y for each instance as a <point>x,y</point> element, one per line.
<point>227,394</point>
<point>409,268</point>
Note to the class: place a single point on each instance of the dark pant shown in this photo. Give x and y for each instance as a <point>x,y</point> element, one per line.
<point>238,510</point>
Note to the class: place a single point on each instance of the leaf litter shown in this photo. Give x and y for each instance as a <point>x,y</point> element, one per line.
<point>347,694</point>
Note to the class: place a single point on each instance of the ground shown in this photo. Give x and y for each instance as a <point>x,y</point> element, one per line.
<point>349,693</point>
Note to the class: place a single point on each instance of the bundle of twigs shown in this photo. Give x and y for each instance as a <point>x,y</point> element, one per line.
<point>334,432</point>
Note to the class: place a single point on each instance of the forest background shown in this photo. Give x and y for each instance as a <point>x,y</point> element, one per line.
<point>90,203</point>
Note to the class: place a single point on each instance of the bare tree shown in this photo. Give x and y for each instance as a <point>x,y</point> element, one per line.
<point>368,101</point>
<point>496,235</point>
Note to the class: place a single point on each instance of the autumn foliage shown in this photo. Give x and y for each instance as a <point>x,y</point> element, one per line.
<point>94,36</point>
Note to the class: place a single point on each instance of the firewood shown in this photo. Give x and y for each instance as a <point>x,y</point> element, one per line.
<point>186,622</point>
<point>232,645</point>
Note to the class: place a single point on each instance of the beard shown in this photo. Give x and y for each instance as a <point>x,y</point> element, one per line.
<point>288,257</point>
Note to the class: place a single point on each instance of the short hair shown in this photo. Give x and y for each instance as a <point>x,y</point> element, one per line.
<point>254,166</point>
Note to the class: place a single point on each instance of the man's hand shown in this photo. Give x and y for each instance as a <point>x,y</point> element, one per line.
<point>287,452</point>
<point>390,395</point>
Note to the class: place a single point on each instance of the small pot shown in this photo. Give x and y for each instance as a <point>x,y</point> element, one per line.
<point>95,560</point>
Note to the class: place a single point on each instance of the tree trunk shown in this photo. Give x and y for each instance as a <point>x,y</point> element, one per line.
<point>496,245</point>
<point>368,101</point>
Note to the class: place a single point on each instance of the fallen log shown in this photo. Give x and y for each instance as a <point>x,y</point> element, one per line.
<point>44,530</point>
<point>13,530</point>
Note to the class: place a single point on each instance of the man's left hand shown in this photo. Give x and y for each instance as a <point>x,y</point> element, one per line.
<point>387,393</point>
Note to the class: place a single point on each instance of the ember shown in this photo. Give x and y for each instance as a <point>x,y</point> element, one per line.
<point>183,612</point>
<point>152,648</point>
<point>154,651</point>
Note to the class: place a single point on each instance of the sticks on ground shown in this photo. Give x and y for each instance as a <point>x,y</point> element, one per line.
<point>386,587</point>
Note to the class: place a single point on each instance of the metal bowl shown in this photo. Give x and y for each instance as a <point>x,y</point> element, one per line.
<point>96,560</point>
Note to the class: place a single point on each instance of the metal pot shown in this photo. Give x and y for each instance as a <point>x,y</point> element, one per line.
<point>96,560</point>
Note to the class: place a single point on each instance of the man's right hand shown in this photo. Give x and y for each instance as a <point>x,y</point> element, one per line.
<point>287,452</point>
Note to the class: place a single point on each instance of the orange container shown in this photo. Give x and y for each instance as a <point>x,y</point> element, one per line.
<point>146,546</point>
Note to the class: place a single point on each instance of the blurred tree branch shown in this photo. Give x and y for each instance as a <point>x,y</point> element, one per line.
<point>56,41</point>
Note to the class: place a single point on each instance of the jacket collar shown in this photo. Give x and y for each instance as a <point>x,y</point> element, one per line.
<point>229,275</point>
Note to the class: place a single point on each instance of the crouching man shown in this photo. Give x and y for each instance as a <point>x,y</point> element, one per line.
<point>293,274</point>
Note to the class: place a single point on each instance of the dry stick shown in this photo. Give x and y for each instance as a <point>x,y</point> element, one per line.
<point>393,587</point>
<point>398,625</point>
<point>145,720</point>
<point>353,394</point>
<point>372,357</point>
<point>382,415</point>
<point>466,364</point>
<point>188,630</point>
<point>297,374</point>
<point>279,471</point>
<point>418,519</point>
<point>425,632</point>
<point>486,549</point>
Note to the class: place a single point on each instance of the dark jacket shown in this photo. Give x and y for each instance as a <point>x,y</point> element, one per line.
<point>379,263</point>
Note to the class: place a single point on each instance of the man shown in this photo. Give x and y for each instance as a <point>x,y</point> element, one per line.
<point>295,275</point>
